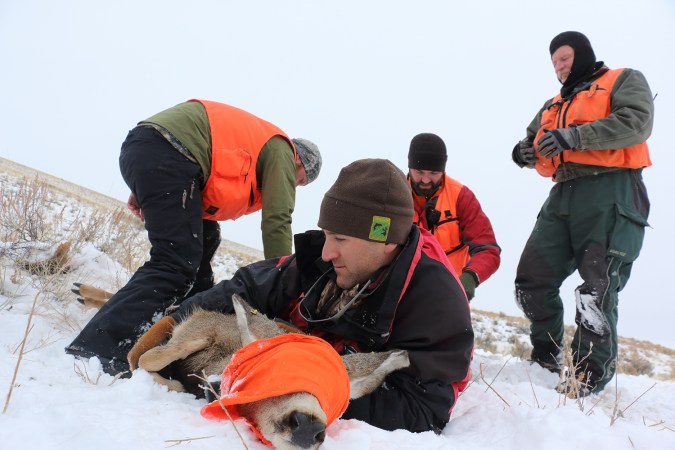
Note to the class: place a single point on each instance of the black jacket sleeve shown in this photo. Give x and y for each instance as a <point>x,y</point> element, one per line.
<point>266,285</point>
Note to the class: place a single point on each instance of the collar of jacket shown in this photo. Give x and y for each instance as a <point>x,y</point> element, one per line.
<point>308,247</point>
<point>369,324</point>
<point>585,82</point>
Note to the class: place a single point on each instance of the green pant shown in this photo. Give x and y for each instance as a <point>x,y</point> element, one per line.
<point>593,224</point>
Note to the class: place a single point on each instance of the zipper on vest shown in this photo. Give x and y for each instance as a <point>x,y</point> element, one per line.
<point>564,113</point>
<point>562,123</point>
<point>452,219</point>
<point>248,169</point>
<point>453,250</point>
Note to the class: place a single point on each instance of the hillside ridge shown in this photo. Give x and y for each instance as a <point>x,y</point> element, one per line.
<point>94,198</point>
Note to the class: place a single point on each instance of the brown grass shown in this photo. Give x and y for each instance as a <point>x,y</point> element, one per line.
<point>636,357</point>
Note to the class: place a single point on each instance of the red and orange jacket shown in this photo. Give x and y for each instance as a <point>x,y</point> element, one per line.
<point>462,228</point>
<point>236,140</point>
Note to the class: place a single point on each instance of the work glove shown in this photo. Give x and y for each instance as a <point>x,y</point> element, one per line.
<point>157,333</point>
<point>469,281</point>
<point>523,154</point>
<point>553,142</point>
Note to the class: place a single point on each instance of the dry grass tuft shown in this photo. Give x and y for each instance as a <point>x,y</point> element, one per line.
<point>633,362</point>
<point>41,232</point>
<point>34,219</point>
<point>636,357</point>
<point>572,383</point>
<point>23,217</point>
<point>81,371</point>
<point>486,342</point>
<point>519,349</point>
<point>59,262</point>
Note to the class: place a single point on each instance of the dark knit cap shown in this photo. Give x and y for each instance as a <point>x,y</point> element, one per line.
<point>427,152</point>
<point>584,56</point>
<point>370,200</point>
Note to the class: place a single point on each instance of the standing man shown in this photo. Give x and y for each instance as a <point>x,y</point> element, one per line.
<point>452,213</point>
<point>370,281</point>
<point>591,140</point>
<point>188,167</point>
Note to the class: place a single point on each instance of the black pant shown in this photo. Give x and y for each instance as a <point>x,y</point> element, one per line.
<point>204,281</point>
<point>167,187</point>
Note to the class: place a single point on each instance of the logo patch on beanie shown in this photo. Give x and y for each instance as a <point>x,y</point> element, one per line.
<point>379,228</point>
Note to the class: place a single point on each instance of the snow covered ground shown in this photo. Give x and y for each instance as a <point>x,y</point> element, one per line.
<point>58,402</point>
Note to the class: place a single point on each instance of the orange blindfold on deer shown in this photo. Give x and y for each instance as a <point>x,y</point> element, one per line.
<point>281,365</point>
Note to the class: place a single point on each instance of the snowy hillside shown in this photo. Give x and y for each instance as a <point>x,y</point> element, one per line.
<point>54,401</point>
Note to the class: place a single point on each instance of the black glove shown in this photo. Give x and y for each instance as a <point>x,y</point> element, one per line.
<point>523,154</point>
<point>553,142</point>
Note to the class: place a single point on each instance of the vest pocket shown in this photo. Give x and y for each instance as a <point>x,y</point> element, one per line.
<point>588,107</point>
<point>227,192</point>
<point>626,239</point>
<point>231,163</point>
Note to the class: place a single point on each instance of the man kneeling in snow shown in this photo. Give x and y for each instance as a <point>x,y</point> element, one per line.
<point>370,281</point>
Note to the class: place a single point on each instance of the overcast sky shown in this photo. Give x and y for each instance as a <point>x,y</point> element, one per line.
<point>360,78</point>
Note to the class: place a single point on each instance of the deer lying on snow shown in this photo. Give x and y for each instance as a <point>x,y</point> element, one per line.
<point>247,346</point>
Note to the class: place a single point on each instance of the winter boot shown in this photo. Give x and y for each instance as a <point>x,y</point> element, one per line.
<point>579,385</point>
<point>548,357</point>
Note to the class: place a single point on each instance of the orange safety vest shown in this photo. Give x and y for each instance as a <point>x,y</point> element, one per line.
<point>236,140</point>
<point>446,229</point>
<point>585,107</point>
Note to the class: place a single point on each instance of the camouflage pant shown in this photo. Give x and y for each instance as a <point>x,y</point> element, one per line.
<point>593,224</point>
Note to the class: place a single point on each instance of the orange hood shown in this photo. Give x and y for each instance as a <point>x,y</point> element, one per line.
<point>283,365</point>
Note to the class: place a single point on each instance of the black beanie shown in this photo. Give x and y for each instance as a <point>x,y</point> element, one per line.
<point>370,200</point>
<point>427,152</point>
<point>584,57</point>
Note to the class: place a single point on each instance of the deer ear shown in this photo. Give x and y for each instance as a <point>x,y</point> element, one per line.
<point>243,323</point>
<point>253,324</point>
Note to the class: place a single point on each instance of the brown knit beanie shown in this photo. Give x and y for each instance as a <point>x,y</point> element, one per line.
<point>371,200</point>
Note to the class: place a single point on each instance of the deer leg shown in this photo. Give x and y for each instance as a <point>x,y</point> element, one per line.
<point>173,385</point>
<point>159,357</point>
<point>367,371</point>
<point>91,296</point>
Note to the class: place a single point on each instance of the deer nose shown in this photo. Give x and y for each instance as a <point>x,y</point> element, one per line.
<point>306,432</point>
